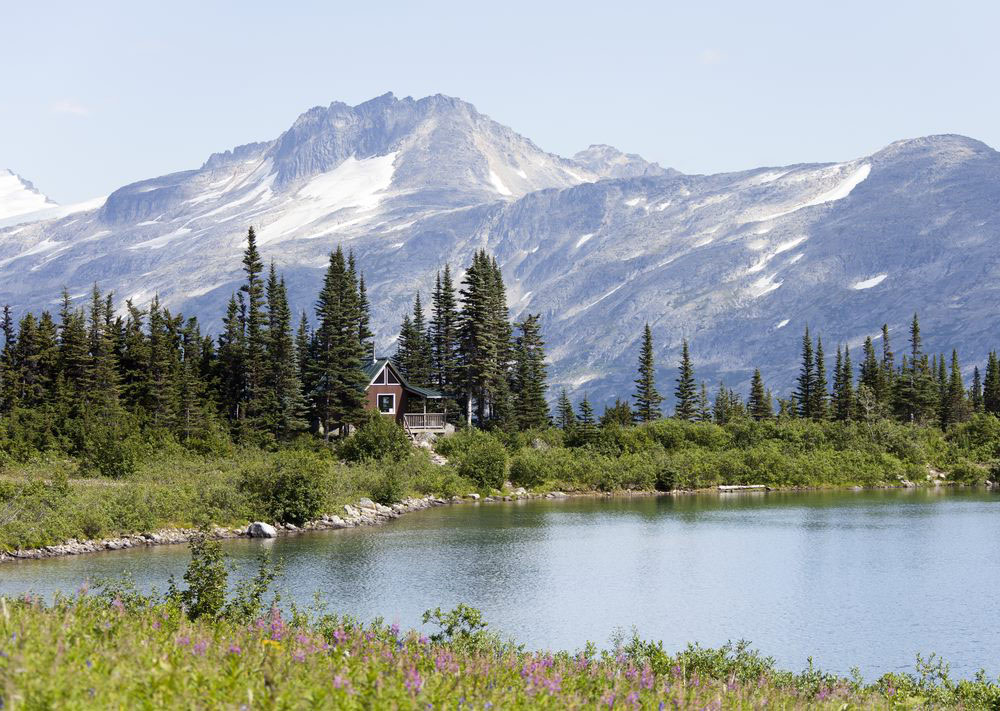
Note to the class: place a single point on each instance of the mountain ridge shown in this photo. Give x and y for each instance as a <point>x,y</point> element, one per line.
<point>598,243</point>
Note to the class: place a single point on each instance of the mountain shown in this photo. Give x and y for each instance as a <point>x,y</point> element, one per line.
<point>737,263</point>
<point>19,197</point>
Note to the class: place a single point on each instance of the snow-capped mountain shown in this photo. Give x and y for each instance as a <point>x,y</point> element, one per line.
<point>19,197</point>
<point>598,244</point>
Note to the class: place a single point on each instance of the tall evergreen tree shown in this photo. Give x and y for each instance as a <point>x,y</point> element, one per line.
<point>255,328</point>
<point>586,427</point>
<point>686,392</point>
<point>647,398</point>
<point>704,405</point>
<point>759,403</point>
<point>336,377</point>
<point>976,391</point>
<point>444,334</point>
<point>530,408</point>
<point>991,385</point>
<point>805,394</point>
<point>565,418</point>
<point>819,408</point>
<point>283,389</point>
<point>843,387</point>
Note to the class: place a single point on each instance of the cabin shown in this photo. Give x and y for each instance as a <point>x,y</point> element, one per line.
<point>389,393</point>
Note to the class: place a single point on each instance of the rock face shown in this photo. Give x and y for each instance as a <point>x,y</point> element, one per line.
<point>600,244</point>
<point>259,529</point>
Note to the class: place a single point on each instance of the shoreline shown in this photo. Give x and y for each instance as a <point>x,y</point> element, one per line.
<point>368,513</point>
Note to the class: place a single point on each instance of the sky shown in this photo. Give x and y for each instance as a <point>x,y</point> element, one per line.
<point>96,95</point>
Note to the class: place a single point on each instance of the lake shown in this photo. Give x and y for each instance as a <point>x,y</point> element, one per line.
<point>865,579</point>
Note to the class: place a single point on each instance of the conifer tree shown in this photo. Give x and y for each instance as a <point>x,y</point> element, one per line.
<point>805,394</point>
<point>686,392</point>
<point>231,361</point>
<point>976,391</point>
<point>819,407</point>
<point>530,408</point>
<point>282,402</point>
<point>586,427</point>
<point>991,385</point>
<point>843,387</point>
<point>478,342</point>
<point>759,403</point>
<point>565,419</point>
<point>255,327</point>
<point>336,378</point>
<point>647,398</point>
<point>444,330</point>
<point>704,405</point>
<point>618,415</point>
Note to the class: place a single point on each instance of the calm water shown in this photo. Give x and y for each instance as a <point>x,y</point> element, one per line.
<point>867,578</point>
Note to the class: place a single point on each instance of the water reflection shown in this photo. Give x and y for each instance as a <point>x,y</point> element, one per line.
<point>851,578</point>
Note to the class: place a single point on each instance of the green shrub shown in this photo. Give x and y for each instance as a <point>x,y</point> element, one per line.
<point>479,457</point>
<point>378,438</point>
<point>288,489</point>
<point>388,487</point>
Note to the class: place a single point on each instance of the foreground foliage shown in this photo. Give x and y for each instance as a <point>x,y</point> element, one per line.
<point>92,652</point>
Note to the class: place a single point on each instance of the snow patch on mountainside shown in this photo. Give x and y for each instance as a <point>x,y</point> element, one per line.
<point>869,283</point>
<point>354,184</point>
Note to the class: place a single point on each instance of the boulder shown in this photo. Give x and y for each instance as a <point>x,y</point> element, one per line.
<point>259,529</point>
<point>366,504</point>
<point>474,496</point>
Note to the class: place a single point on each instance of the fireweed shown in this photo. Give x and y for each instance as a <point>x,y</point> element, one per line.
<point>86,652</point>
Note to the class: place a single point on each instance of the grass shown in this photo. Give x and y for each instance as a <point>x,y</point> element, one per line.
<point>94,652</point>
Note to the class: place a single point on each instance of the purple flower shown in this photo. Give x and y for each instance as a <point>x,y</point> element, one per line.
<point>414,682</point>
<point>183,641</point>
<point>199,647</point>
<point>235,649</point>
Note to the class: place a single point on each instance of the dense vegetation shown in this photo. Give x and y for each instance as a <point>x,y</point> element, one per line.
<point>124,422</point>
<point>205,646</point>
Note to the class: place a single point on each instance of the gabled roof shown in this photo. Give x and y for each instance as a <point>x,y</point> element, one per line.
<point>372,370</point>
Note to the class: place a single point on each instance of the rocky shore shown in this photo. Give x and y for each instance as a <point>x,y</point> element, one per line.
<point>364,513</point>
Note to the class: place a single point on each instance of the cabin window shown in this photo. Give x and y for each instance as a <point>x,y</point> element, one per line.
<point>381,377</point>
<point>392,377</point>
<point>387,404</point>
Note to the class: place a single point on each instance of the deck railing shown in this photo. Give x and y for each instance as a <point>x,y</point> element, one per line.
<point>424,420</point>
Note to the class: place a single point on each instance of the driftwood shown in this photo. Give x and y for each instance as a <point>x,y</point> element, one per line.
<point>742,487</point>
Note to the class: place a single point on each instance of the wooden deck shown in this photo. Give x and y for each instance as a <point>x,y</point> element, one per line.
<point>417,422</point>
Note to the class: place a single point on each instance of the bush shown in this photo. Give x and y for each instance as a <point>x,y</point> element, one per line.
<point>388,487</point>
<point>477,456</point>
<point>378,438</point>
<point>289,488</point>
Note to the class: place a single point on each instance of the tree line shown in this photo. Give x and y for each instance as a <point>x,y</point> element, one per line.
<point>922,388</point>
<point>92,375</point>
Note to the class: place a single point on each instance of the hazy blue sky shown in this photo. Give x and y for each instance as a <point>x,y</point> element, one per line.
<point>95,95</point>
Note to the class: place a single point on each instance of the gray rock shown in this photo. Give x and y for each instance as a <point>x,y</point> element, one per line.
<point>259,529</point>
<point>366,504</point>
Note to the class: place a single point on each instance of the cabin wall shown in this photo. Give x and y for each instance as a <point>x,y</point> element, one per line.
<point>371,399</point>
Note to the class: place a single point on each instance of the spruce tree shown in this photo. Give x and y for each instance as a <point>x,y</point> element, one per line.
<point>565,419</point>
<point>805,394</point>
<point>976,391</point>
<point>255,327</point>
<point>704,405</point>
<point>530,408</point>
<point>444,334</point>
<point>647,398</point>
<point>991,385</point>
<point>617,415</point>
<point>820,410</point>
<point>759,402</point>
<point>586,427</point>
<point>686,392</point>
<point>337,381</point>
<point>282,400</point>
